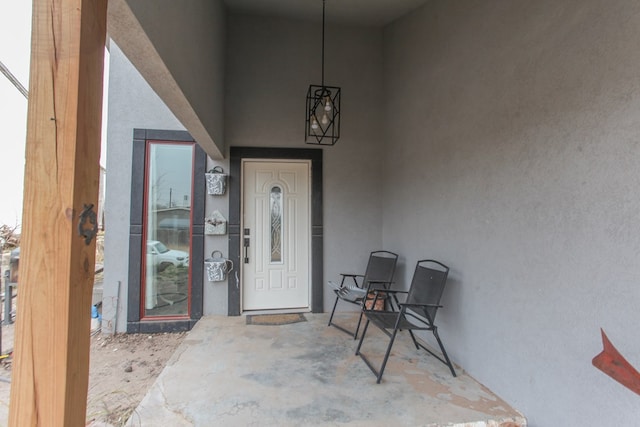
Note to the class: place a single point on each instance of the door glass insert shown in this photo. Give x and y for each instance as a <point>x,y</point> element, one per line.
<point>167,227</point>
<point>276,224</point>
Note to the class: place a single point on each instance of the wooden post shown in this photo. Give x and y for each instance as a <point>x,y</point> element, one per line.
<point>51,352</point>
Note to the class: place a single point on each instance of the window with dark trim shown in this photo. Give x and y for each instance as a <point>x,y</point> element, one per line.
<point>166,239</point>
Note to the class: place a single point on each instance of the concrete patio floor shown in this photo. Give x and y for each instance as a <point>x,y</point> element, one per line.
<point>228,373</point>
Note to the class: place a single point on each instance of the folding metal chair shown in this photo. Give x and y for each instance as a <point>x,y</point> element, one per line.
<point>379,275</point>
<point>418,312</point>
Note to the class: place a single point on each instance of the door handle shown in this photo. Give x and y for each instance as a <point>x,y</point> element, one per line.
<point>247,243</point>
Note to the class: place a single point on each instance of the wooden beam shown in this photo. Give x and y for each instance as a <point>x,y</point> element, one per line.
<point>51,352</point>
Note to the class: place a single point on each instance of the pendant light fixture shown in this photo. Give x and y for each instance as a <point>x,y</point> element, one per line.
<point>323,108</point>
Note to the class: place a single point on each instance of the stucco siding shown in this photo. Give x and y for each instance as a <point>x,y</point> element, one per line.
<point>132,104</point>
<point>268,73</point>
<point>271,63</point>
<point>512,156</point>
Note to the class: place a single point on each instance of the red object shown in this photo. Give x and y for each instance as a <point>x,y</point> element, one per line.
<point>611,362</point>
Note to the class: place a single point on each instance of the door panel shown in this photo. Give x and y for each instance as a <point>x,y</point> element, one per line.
<point>276,206</point>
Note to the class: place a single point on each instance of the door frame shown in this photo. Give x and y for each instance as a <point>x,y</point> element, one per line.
<point>237,154</point>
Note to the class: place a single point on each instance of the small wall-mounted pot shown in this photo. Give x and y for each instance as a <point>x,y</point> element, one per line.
<point>217,267</point>
<point>215,224</point>
<point>216,181</point>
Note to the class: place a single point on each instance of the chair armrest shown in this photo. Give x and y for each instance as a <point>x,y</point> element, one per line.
<point>353,277</point>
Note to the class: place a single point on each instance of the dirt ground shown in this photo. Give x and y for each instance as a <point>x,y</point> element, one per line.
<point>122,368</point>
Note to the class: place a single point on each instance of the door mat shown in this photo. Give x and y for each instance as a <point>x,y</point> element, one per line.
<point>275,319</point>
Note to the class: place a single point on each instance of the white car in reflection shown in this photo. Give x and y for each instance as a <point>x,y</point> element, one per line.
<point>162,257</point>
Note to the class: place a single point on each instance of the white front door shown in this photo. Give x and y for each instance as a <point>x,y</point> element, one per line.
<point>276,235</point>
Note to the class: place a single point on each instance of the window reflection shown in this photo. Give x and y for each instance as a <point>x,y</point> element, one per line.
<point>168,229</point>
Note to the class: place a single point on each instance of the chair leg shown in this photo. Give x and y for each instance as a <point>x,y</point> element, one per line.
<point>355,335</point>
<point>415,341</point>
<point>345,330</point>
<point>386,356</point>
<point>334,310</point>
<point>363,357</point>
<point>444,352</point>
<point>364,332</point>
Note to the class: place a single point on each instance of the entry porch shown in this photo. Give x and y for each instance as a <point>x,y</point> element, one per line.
<point>227,372</point>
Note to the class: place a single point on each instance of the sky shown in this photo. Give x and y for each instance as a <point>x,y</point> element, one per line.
<point>15,36</point>
<point>15,45</point>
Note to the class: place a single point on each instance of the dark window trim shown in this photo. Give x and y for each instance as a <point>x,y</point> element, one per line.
<point>317,234</point>
<point>134,324</point>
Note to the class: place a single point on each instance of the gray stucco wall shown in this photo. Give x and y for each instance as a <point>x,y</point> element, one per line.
<point>512,155</point>
<point>215,294</point>
<point>268,73</point>
<point>498,137</point>
<point>132,104</point>
<point>270,64</point>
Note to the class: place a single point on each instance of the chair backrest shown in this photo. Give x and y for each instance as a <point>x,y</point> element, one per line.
<point>381,267</point>
<point>427,285</point>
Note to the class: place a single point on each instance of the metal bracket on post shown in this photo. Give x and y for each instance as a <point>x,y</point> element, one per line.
<point>90,232</point>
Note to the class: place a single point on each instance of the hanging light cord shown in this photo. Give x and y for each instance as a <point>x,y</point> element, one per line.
<point>323,2</point>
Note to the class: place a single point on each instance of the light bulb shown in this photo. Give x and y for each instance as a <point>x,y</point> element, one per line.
<point>324,120</point>
<point>327,104</point>
<point>314,123</point>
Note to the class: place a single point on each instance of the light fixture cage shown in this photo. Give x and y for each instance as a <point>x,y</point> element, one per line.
<point>323,115</point>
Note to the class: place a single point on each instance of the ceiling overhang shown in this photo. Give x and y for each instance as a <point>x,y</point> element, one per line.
<point>125,29</point>
<point>163,39</point>
<point>374,13</point>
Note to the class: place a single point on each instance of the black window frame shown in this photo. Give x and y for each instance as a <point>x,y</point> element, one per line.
<point>196,261</point>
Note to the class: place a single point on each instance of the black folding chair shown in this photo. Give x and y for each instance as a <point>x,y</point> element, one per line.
<point>379,275</point>
<point>418,312</point>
